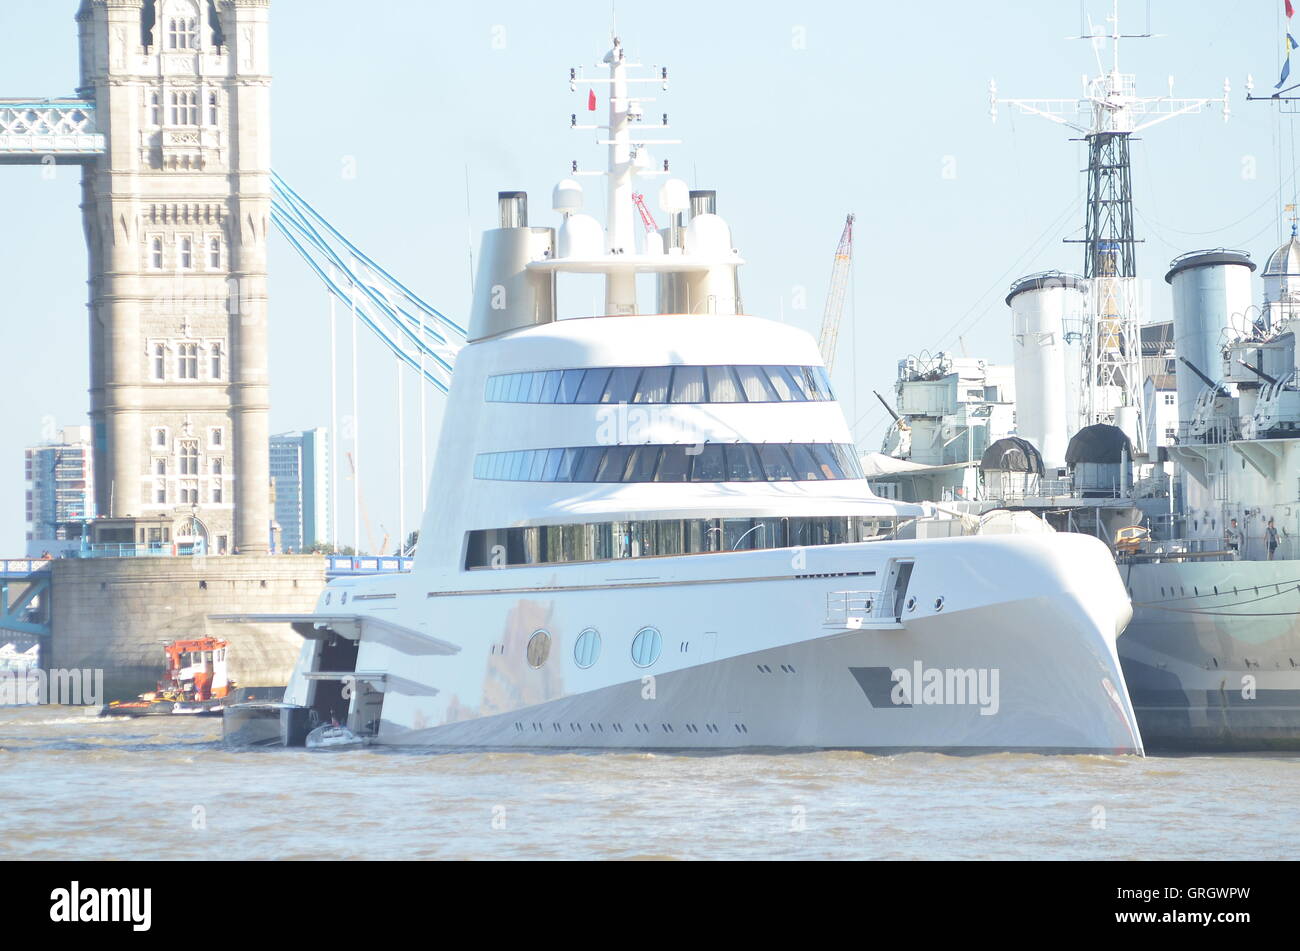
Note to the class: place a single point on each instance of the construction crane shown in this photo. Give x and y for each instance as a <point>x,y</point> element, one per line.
<point>365,515</point>
<point>646,218</point>
<point>835,299</point>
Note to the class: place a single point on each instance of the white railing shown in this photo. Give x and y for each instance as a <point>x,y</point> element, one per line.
<point>22,566</point>
<point>851,608</point>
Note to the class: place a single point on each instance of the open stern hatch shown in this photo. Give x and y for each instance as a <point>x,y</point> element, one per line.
<point>336,689</point>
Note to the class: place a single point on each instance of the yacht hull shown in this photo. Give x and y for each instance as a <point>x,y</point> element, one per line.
<point>839,692</point>
<point>760,664</point>
<point>1212,655</point>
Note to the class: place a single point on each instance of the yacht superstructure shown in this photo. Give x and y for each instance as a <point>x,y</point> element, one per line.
<point>649,528</point>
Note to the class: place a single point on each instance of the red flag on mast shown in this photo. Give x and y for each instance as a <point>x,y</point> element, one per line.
<point>591,94</point>
<point>1290,10</point>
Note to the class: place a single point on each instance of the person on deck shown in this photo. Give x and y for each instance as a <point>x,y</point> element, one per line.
<point>1232,537</point>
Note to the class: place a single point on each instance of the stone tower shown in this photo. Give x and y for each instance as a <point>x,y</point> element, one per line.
<point>176,215</point>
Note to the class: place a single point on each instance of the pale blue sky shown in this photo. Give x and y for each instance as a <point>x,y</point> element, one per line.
<point>864,115</point>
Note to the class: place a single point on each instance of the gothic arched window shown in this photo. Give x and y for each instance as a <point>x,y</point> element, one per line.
<point>187,361</point>
<point>183,33</point>
<point>185,108</point>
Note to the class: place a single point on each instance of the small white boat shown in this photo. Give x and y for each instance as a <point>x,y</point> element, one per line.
<point>333,736</point>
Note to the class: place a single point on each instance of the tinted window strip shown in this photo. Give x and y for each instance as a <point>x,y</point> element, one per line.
<point>713,383</point>
<point>657,538</point>
<point>714,462</point>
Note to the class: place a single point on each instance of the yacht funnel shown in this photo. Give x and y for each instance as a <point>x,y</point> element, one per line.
<point>507,294</point>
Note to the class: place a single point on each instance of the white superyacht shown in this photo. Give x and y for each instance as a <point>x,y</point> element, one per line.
<point>648,528</point>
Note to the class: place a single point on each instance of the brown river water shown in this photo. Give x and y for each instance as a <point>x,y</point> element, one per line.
<point>78,787</point>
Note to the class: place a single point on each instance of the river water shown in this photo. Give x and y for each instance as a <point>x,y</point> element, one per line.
<point>76,787</point>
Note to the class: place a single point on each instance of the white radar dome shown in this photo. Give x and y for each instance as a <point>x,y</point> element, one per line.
<point>708,236</point>
<point>674,196</point>
<point>566,197</point>
<point>581,236</point>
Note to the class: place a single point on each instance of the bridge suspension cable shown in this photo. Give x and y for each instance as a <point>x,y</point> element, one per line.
<point>420,337</point>
<point>418,334</point>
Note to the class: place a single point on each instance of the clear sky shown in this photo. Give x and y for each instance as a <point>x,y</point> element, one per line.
<point>797,113</point>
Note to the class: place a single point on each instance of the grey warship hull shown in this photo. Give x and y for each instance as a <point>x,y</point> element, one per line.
<point>1212,655</point>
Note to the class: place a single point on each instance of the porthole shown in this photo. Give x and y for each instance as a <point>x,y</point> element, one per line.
<point>938,604</point>
<point>646,647</point>
<point>586,649</point>
<point>911,604</point>
<point>539,648</point>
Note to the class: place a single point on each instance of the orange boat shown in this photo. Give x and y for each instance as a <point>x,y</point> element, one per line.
<point>196,682</point>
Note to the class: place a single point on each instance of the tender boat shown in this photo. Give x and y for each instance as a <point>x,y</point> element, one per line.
<point>333,736</point>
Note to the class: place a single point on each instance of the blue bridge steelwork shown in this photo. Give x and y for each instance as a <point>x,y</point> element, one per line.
<point>29,611</point>
<point>45,131</point>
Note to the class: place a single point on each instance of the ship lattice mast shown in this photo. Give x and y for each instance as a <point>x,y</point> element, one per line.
<point>1107,115</point>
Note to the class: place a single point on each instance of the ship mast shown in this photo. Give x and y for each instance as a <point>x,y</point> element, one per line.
<point>628,159</point>
<point>1107,115</point>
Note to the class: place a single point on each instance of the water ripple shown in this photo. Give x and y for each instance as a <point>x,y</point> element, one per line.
<point>78,787</point>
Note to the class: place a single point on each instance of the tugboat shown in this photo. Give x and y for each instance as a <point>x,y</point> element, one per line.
<point>196,683</point>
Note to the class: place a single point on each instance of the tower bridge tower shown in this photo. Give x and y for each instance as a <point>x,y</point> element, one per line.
<point>176,212</point>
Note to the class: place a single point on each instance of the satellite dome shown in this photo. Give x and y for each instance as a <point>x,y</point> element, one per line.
<point>1012,454</point>
<point>1100,444</point>
<point>1285,261</point>
<point>567,196</point>
<point>581,236</point>
<point>708,235</point>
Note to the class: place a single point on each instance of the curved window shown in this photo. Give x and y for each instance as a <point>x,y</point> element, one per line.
<point>539,648</point>
<point>652,538</point>
<point>710,462</point>
<point>586,650</point>
<point>676,384</point>
<point>646,647</point>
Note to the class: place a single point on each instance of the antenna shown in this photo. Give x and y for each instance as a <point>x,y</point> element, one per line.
<point>628,158</point>
<point>1107,115</point>
<point>1287,105</point>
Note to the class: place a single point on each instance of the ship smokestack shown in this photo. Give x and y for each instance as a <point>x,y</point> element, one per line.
<point>704,202</point>
<point>513,207</point>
